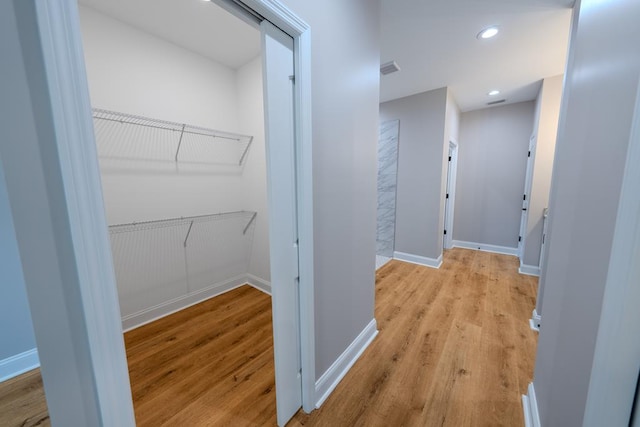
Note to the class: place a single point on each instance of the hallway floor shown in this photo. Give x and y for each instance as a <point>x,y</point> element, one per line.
<point>454,349</point>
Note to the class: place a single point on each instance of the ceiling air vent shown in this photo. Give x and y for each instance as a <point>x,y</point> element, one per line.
<point>389,67</point>
<point>500,101</point>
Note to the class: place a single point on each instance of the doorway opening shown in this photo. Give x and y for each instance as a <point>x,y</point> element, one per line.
<point>192,186</point>
<point>96,312</point>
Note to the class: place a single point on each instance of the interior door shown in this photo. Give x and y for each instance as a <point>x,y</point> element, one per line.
<point>447,205</point>
<point>279,79</point>
<point>526,195</point>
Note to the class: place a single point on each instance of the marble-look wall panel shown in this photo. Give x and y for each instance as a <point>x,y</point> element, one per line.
<point>387,178</point>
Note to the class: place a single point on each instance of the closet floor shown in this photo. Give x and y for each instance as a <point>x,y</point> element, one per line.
<point>454,349</point>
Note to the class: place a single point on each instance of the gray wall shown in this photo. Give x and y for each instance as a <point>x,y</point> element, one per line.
<point>593,136</point>
<point>345,135</point>
<point>492,159</point>
<point>545,130</point>
<point>16,333</point>
<point>420,201</point>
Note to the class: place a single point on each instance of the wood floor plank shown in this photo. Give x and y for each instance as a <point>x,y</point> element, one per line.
<point>22,401</point>
<point>454,349</point>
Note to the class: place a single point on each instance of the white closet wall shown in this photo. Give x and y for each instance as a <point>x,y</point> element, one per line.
<point>251,116</point>
<point>133,72</point>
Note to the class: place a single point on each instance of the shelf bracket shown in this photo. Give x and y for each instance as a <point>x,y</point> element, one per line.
<point>253,217</point>
<point>246,150</point>
<point>180,141</point>
<point>188,233</point>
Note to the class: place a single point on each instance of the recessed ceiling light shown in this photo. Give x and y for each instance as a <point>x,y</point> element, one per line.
<point>494,93</point>
<point>487,33</point>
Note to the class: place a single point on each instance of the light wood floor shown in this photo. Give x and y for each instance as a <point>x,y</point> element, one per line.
<point>454,349</point>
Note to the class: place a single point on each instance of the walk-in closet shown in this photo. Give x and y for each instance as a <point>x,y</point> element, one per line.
<point>177,102</point>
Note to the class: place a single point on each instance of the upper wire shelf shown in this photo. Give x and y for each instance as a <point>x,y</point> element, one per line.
<point>130,137</point>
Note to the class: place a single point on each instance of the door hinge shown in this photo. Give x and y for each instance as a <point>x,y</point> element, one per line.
<point>529,154</point>
<point>445,231</point>
<point>292,78</point>
<point>519,238</point>
<point>524,197</point>
<point>449,158</point>
<point>447,195</point>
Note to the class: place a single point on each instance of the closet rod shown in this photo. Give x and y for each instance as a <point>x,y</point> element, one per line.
<point>185,219</point>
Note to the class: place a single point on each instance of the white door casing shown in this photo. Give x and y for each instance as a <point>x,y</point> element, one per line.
<point>278,69</point>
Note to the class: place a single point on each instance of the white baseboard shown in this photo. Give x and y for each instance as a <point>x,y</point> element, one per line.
<point>259,284</point>
<point>535,321</point>
<point>151,314</point>
<point>530,408</point>
<point>504,250</point>
<point>330,379</point>
<point>529,270</point>
<point>417,259</point>
<point>18,364</point>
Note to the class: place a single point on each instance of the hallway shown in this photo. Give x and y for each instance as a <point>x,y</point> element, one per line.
<point>454,348</point>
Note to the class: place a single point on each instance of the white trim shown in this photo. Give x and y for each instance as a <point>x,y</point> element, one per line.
<point>151,314</point>
<point>259,284</point>
<point>417,259</point>
<point>536,321</point>
<point>336,372</point>
<point>19,364</point>
<point>530,408</point>
<point>504,250</point>
<point>529,270</point>
<point>64,249</point>
<point>290,23</point>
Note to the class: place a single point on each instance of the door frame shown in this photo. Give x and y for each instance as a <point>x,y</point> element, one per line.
<point>452,172</point>
<point>75,311</point>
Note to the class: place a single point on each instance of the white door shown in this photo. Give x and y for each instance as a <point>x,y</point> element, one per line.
<point>279,79</point>
<point>449,202</point>
<point>526,195</point>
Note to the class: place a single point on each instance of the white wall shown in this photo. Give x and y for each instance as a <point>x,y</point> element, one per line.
<point>421,171</point>
<point>16,333</point>
<point>492,159</point>
<point>593,136</point>
<point>545,131</point>
<point>345,135</point>
<point>133,72</point>
<point>251,121</point>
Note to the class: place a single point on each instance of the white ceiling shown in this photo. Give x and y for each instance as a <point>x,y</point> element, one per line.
<point>434,43</point>
<point>197,25</point>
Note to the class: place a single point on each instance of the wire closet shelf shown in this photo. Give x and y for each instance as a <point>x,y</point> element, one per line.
<point>157,262</point>
<point>131,137</point>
